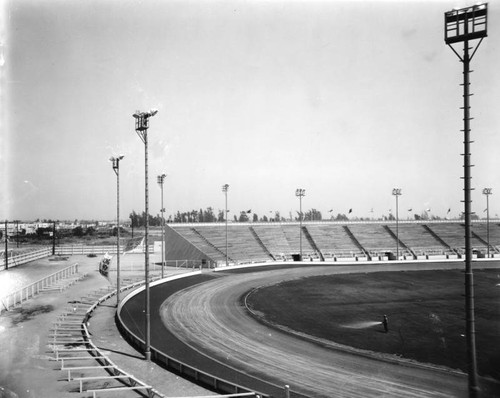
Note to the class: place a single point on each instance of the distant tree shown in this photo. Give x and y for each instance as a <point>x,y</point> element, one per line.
<point>472,216</point>
<point>243,216</point>
<point>255,217</point>
<point>78,231</point>
<point>313,215</point>
<point>220,217</point>
<point>341,217</point>
<point>209,215</point>
<point>134,219</point>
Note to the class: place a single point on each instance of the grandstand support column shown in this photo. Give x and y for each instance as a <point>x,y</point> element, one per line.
<point>487,192</point>
<point>465,25</point>
<point>225,188</point>
<point>397,193</point>
<point>300,193</point>
<point>116,168</point>
<point>141,128</point>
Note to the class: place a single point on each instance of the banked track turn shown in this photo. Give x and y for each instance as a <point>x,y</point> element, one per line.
<point>210,318</point>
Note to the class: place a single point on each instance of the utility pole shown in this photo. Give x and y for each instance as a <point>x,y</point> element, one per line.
<point>6,248</point>
<point>141,128</point>
<point>116,169</point>
<point>462,26</point>
<point>300,193</point>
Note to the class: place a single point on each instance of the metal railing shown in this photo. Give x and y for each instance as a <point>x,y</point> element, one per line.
<point>172,364</point>
<point>26,257</point>
<point>29,291</point>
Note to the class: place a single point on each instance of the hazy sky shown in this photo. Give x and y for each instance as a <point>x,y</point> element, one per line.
<point>346,99</point>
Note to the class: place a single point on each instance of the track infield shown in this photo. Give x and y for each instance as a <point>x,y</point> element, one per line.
<point>425,310</point>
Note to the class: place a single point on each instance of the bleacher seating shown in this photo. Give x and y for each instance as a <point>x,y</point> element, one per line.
<point>189,234</point>
<point>374,238</point>
<point>418,239</point>
<point>242,245</point>
<point>273,237</point>
<point>291,233</point>
<point>481,230</point>
<point>453,235</point>
<point>333,240</point>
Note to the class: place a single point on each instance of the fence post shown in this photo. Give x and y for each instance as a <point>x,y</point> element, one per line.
<point>287,391</point>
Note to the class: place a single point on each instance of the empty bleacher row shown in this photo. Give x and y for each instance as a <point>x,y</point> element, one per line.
<point>258,242</point>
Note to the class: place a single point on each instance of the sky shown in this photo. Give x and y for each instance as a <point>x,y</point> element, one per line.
<point>345,99</point>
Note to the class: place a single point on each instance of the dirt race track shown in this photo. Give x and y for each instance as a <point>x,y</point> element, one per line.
<point>210,318</point>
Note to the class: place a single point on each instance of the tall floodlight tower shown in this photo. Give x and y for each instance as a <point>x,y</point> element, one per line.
<point>466,25</point>
<point>141,128</point>
<point>397,193</point>
<point>116,168</point>
<point>225,188</point>
<point>487,192</point>
<point>300,193</point>
<point>161,179</point>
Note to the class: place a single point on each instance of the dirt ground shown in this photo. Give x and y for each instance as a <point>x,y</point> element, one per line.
<point>26,368</point>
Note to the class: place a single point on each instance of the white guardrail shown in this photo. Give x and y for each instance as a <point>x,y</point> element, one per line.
<point>26,257</point>
<point>29,291</point>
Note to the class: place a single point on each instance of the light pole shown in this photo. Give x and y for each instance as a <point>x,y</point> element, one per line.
<point>487,192</point>
<point>463,26</point>
<point>141,128</point>
<point>116,167</point>
<point>300,193</point>
<point>161,180</point>
<point>225,188</point>
<point>397,192</point>
<point>6,251</point>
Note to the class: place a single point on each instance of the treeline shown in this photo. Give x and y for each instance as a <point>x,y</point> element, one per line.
<point>210,215</point>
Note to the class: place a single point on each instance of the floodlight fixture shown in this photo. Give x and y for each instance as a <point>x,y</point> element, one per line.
<point>397,193</point>
<point>142,121</point>
<point>225,189</point>
<point>116,160</point>
<point>300,193</point>
<point>466,23</point>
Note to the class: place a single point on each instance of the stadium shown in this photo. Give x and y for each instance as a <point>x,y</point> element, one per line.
<point>266,253</point>
<point>345,99</point>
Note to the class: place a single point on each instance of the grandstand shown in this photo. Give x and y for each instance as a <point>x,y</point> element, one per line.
<point>326,241</point>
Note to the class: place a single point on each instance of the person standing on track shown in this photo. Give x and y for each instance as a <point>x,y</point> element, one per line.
<point>385,322</point>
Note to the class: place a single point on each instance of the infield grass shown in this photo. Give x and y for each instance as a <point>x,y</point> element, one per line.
<point>425,311</point>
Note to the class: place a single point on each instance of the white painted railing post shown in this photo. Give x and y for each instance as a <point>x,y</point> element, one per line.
<point>287,391</point>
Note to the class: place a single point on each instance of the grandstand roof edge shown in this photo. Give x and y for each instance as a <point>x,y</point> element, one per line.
<point>326,222</point>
